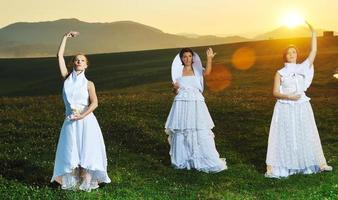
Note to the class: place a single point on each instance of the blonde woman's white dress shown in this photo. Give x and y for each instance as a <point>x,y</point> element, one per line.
<point>80,143</point>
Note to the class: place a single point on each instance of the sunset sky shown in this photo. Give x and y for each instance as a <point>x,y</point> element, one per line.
<point>216,17</point>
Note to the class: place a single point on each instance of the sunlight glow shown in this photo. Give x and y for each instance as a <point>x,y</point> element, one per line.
<point>243,58</point>
<point>219,79</point>
<point>335,75</point>
<point>292,19</point>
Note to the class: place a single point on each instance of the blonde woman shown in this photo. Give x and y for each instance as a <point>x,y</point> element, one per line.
<point>80,161</point>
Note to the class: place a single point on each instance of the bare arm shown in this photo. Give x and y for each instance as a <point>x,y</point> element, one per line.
<point>93,102</point>
<point>276,93</point>
<point>62,63</point>
<point>210,56</point>
<point>313,51</point>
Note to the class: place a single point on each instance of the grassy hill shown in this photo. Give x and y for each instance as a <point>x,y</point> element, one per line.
<point>134,101</point>
<point>40,76</point>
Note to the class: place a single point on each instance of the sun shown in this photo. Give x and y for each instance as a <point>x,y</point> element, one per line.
<point>292,19</point>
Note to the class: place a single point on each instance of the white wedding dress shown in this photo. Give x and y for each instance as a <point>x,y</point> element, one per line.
<point>294,145</point>
<point>81,144</point>
<point>189,127</point>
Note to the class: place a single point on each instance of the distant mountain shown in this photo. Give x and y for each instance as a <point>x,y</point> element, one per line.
<point>285,32</point>
<point>42,38</point>
<point>189,35</point>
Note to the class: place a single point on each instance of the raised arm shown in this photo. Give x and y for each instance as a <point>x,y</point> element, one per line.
<point>313,51</point>
<point>62,63</point>
<point>278,95</point>
<point>210,56</point>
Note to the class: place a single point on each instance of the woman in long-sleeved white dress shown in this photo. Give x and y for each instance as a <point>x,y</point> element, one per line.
<point>294,145</point>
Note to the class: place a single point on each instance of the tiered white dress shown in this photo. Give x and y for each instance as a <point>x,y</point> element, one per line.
<point>294,145</point>
<point>189,127</point>
<point>80,143</point>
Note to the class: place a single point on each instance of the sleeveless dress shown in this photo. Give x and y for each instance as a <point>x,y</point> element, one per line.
<point>189,127</point>
<point>294,145</point>
<point>80,143</point>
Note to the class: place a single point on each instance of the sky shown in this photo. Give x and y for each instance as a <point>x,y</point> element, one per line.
<point>204,17</point>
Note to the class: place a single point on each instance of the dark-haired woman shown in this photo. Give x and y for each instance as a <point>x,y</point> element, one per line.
<point>189,123</point>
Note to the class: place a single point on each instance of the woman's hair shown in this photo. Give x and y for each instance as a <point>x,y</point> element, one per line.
<point>286,51</point>
<point>184,50</point>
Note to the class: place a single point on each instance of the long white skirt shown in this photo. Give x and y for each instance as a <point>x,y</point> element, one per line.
<point>81,146</point>
<point>294,144</point>
<point>191,140</point>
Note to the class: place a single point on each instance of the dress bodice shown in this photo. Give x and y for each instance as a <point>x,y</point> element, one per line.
<point>75,92</point>
<point>295,79</point>
<point>292,84</point>
<point>189,89</point>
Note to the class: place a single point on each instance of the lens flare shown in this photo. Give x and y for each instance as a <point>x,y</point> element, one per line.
<point>243,58</point>
<point>335,74</point>
<point>219,78</point>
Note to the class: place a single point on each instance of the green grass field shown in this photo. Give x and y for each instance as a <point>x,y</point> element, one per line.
<point>134,101</point>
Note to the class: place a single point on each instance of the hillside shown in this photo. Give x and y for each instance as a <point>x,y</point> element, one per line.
<point>41,39</point>
<point>134,101</point>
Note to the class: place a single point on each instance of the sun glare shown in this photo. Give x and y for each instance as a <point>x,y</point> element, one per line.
<point>292,19</point>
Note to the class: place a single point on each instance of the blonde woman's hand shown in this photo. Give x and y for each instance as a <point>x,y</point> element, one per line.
<point>77,117</point>
<point>72,34</point>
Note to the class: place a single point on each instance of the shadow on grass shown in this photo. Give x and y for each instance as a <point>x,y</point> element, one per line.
<point>245,134</point>
<point>24,171</point>
<point>136,140</point>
